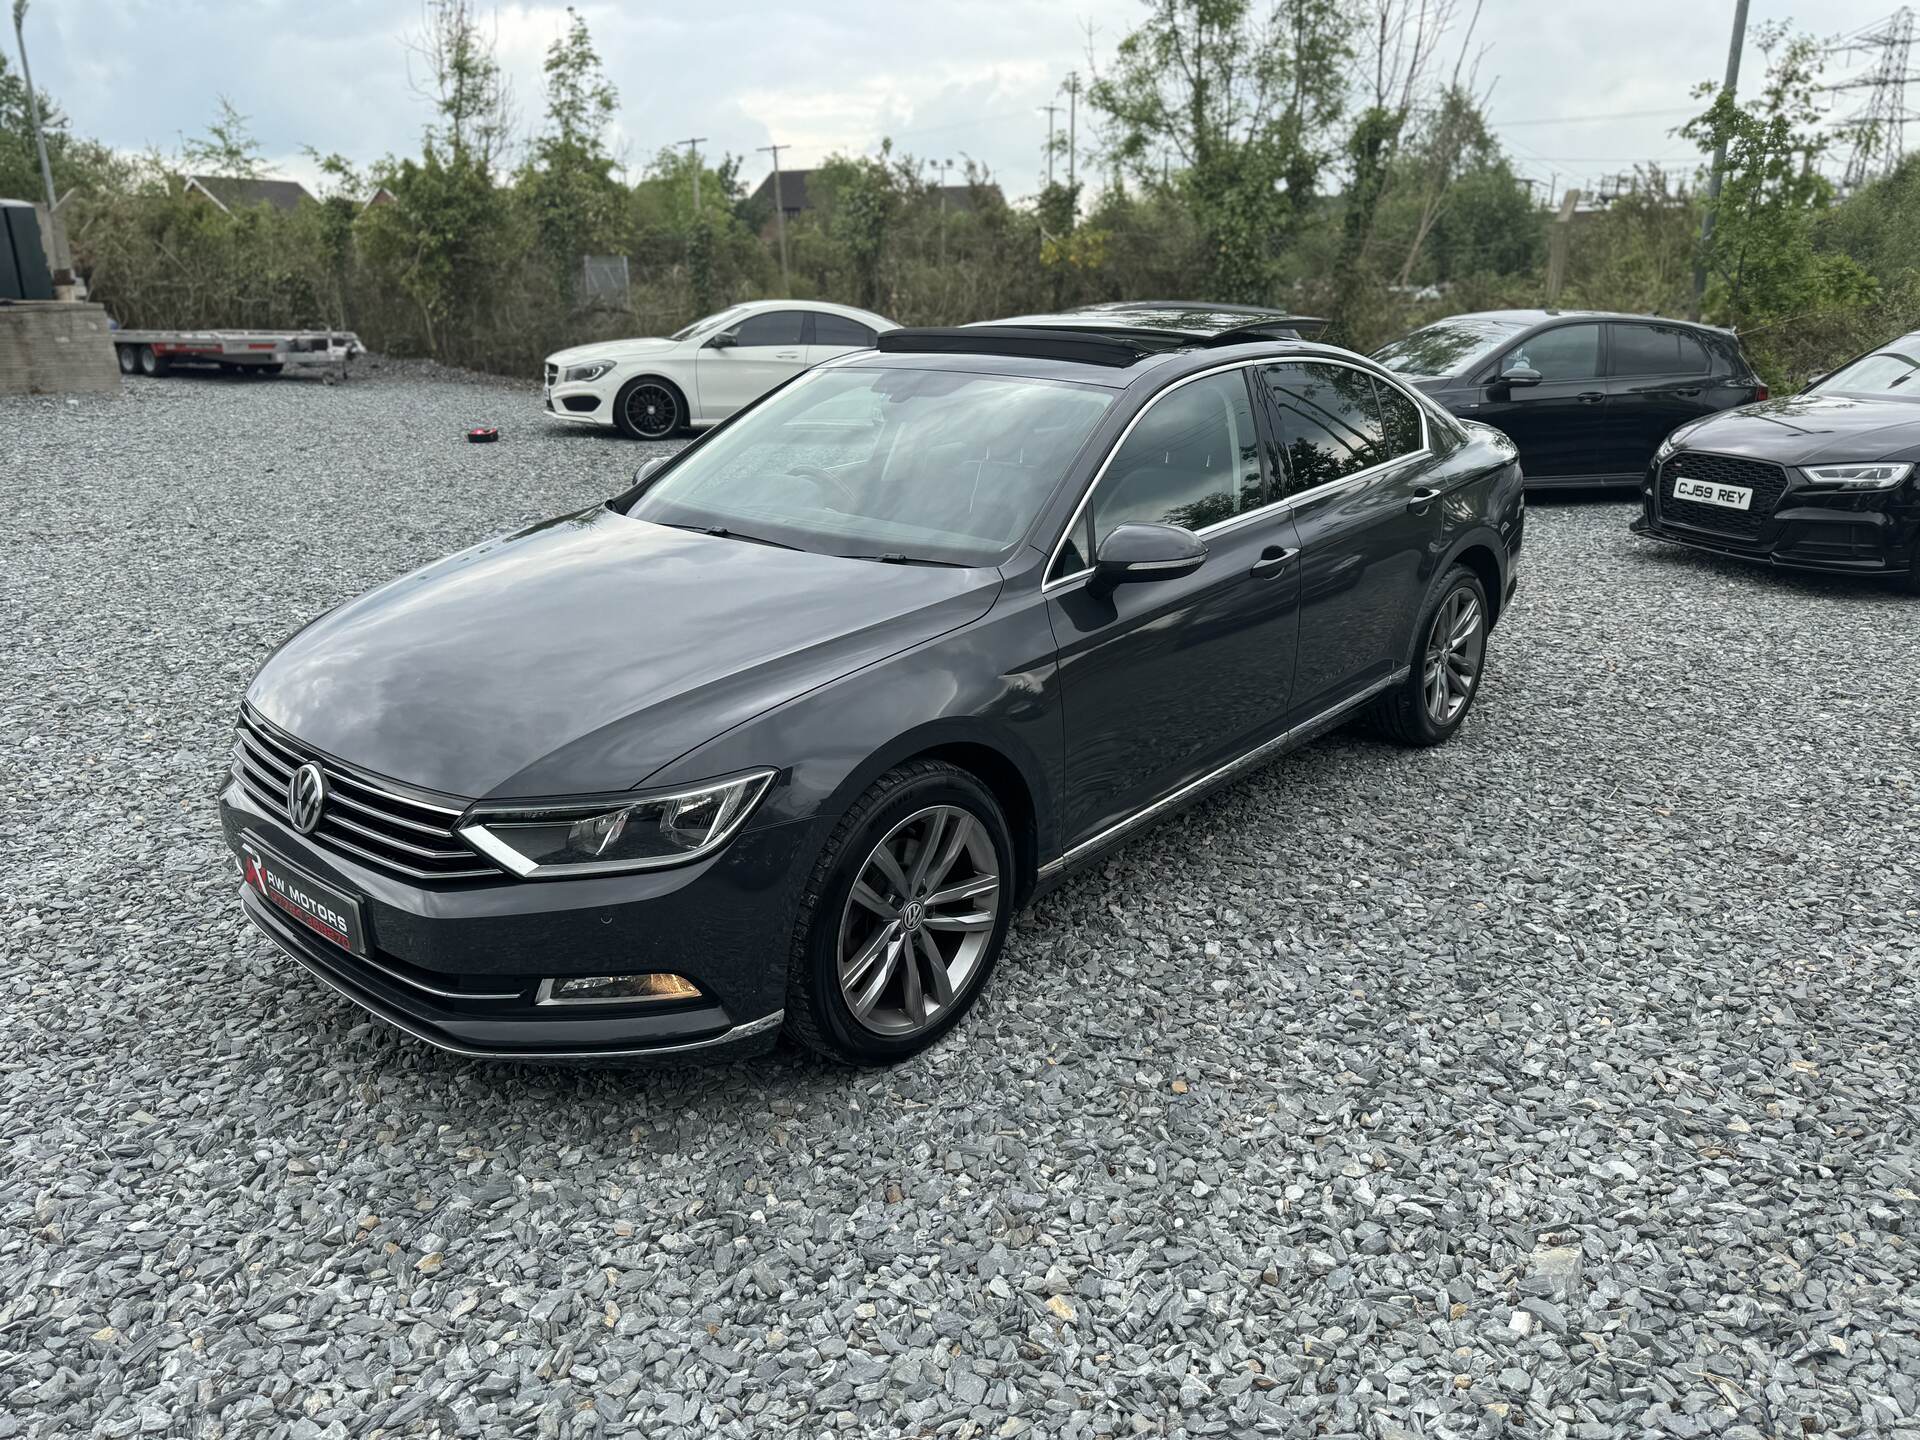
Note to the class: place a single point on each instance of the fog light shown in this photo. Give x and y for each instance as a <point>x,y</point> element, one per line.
<point>614,989</point>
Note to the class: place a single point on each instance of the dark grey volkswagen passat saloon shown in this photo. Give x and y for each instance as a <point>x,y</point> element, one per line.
<point>781,737</point>
<point>1822,480</point>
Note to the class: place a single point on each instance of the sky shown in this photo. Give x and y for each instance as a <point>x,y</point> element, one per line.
<point>1578,88</point>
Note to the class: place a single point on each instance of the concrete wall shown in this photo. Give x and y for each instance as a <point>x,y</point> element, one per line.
<point>50,348</point>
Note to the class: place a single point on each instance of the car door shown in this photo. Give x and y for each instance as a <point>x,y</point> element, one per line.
<point>835,335</point>
<point>744,361</point>
<point>1560,423</point>
<point>1658,380</point>
<point>1356,453</point>
<point>1164,680</point>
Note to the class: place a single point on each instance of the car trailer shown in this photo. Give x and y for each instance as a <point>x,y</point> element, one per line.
<point>154,352</point>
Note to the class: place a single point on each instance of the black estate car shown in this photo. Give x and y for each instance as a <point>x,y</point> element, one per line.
<point>1822,480</point>
<point>1586,396</point>
<point>783,735</point>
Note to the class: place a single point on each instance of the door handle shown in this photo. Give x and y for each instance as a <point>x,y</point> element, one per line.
<point>1272,561</point>
<point>1591,397</point>
<point>1689,393</point>
<point>786,355</point>
<point>1422,498</point>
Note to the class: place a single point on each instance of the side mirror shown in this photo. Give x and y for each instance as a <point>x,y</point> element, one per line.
<point>1521,375</point>
<point>725,340</point>
<point>1133,553</point>
<point>647,467</point>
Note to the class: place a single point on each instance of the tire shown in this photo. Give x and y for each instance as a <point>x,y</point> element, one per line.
<point>150,363</point>
<point>269,369</point>
<point>1913,575</point>
<point>129,361</point>
<point>1428,706</point>
<point>967,931</point>
<point>660,410</point>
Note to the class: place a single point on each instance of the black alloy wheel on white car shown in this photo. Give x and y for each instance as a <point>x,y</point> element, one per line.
<point>648,409</point>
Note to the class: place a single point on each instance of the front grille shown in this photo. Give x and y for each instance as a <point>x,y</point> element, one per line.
<point>361,819</point>
<point>553,376</point>
<point>1768,483</point>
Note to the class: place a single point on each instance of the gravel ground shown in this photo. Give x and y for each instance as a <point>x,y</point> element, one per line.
<point>1561,1081</point>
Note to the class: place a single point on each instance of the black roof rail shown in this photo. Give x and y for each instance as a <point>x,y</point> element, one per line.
<point>1085,347</point>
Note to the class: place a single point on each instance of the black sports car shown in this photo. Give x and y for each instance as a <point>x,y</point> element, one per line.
<point>781,737</point>
<point>1586,396</point>
<point>1822,480</point>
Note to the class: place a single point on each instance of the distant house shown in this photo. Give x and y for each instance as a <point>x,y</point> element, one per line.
<point>795,199</point>
<point>231,193</point>
<point>381,196</point>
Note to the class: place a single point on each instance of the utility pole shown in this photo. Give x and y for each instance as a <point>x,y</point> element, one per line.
<point>39,135</point>
<point>943,166</point>
<point>1051,110</point>
<point>1073,118</point>
<point>780,214</point>
<point>1719,161</point>
<point>693,148</point>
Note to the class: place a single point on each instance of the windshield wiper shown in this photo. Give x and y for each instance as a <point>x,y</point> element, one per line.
<point>723,533</point>
<point>896,557</point>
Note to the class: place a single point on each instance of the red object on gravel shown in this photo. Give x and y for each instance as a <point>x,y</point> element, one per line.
<point>482,435</point>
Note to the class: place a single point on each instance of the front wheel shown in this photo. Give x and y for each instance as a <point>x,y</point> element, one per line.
<point>1433,701</point>
<point>649,409</point>
<point>129,360</point>
<point>906,914</point>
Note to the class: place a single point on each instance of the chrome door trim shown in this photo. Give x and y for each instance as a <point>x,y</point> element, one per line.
<point>1272,508</point>
<point>1304,731</point>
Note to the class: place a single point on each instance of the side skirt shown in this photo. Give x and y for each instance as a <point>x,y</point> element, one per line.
<point>1290,739</point>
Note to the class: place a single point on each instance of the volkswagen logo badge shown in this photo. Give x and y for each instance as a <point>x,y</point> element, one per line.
<point>306,797</point>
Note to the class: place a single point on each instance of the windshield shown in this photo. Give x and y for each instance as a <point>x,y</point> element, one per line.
<point>700,327</point>
<point>928,465</point>
<point>1448,347</point>
<point>1876,375</point>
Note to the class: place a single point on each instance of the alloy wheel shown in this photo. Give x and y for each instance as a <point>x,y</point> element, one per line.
<point>1455,648</point>
<point>652,411</point>
<point>918,921</point>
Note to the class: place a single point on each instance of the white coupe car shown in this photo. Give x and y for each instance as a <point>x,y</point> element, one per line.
<point>702,374</point>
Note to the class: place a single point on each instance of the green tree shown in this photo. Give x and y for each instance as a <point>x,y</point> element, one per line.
<point>568,184</point>
<point>862,198</point>
<point>227,149</point>
<point>1762,264</point>
<point>1242,101</point>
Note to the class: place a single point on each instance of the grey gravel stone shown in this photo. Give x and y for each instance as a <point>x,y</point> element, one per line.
<point>1603,1014</point>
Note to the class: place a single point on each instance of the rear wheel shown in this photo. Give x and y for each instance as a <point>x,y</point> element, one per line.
<point>150,363</point>
<point>904,918</point>
<point>649,409</point>
<point>1433,701</point>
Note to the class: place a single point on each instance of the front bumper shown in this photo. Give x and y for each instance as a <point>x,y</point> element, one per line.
<point>1825,531</point>
<point>457,963</point>
<point>580,404</point>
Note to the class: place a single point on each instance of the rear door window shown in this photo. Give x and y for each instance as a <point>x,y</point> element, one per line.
<point>838,330</point>
<point>1655,350</point>
<point>1329,421</point>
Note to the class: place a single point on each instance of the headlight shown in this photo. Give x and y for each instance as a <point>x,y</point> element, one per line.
<point>592,370</point>
<point>1667,447</point>
<point>1883,476</point>
<point>600,837</point>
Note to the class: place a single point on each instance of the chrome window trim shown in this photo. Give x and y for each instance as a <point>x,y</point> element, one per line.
<point>1305,730</point>
<point>1272,507</point>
